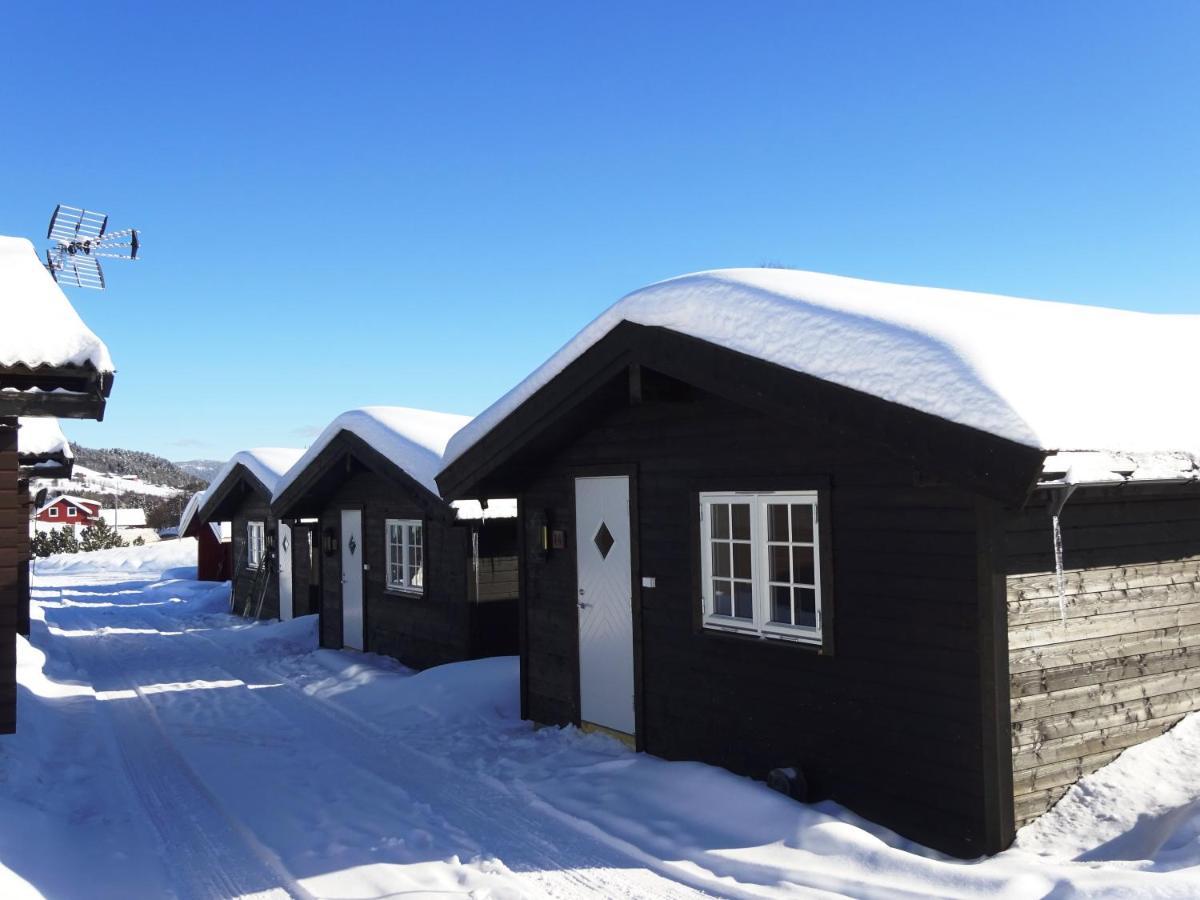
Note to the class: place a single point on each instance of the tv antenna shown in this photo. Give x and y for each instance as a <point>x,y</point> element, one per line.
<point>81,238</point>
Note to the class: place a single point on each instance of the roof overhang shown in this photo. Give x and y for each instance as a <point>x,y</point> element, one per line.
<point>499,464</point>
<point>345,456</point>
<point>67,392</point>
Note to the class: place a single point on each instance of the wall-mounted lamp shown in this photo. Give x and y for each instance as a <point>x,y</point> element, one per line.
<point>329,541</point>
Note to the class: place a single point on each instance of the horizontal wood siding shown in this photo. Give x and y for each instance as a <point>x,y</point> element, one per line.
<point>1124,666</point>
<point>420,630</point>
<point>890,723</point>
<point>253,508</point>
<point>11,526</point>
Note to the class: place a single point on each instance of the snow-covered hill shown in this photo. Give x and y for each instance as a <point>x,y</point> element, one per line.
<point>89,481</point>
<point>203,469</point>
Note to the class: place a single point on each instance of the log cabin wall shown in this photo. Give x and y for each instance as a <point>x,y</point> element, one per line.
<point>254,508</point>
<point>420,630</point>
<point>11,524</point>
<point>898,722</point>
<point>1125,666</point>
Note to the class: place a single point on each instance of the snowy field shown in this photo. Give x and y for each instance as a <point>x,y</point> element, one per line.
<point>167,749</point>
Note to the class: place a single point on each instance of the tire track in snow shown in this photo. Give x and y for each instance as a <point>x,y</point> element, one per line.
<point>563,862</point>
<point>209,853</point>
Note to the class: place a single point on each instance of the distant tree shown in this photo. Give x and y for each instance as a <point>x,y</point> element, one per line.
<point>59,540</point>
<point>100,536</point>
<point>139,541</point>
<point>163,512</point>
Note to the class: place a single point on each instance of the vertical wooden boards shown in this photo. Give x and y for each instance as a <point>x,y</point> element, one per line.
<point>11,525</point>
<point>1124,666</point>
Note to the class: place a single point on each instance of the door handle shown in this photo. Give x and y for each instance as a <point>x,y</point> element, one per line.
<point>583,605</point>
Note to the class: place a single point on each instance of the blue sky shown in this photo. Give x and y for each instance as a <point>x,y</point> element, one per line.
<point>416,204</point>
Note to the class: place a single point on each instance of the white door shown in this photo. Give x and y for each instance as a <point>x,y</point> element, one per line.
<point>285,571</point>
<point>352,578</point>
<point>605,602</point>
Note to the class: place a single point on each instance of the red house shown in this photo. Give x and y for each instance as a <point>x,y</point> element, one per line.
<point>214,551</point>
<point>68,510</point>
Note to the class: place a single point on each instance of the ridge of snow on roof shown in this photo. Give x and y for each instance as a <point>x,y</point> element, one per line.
<point>70,500</point>
<point>189,511</point>
<point>42,436</point>
<point>1054,376</point>
<point>412,439</point>
<point>267,464</point>
<point>41,327</point>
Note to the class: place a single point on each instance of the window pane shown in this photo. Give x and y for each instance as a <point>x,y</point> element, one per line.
<point>722,598</point>
<point>741,521</point>
<point>802,522</point>
<point>778,568</point>
<point>806,607</point>
<point>777,522</point>
<point>781,605</point>
<point>720,559</point>
<point>416,561</point>
<point>803,570</point>
<point>741,561</point>
<point>719,514</point>
<point>743,600</point>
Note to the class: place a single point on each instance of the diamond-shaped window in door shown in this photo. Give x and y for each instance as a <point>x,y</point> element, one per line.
<point>604,540</point>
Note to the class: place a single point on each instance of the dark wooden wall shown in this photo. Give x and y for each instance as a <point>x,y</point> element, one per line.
<point>305,568</point>
<point>1125,666</point>
<point>253,508</point>
<point>420,630</point>
<point>24,555</point>
<point>11,526</point>
<point>898,722</point>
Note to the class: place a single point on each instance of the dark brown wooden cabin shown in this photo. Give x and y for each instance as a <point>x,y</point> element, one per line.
<point>466,605</point>
<point>41,375</point>
<point>936,683</point>
<point>243,500</point>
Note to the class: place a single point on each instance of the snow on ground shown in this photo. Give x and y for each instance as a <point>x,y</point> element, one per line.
<point>91,481</point>
<point>167,748</point>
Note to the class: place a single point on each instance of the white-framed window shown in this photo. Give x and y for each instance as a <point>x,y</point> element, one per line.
<point>405,555</point>
<point>71,510</point>
<point>52,512</point>
<point>256,535</point>
<point>761,563</point>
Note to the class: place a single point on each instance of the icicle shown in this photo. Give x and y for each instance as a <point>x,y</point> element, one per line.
<point>1058,570</point>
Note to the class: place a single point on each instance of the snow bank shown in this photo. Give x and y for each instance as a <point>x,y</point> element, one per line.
<point>1047,375</point>
<point>42,436</point>
<point>41,328</point>
<point>152,558</point>
<point>1145,805</point>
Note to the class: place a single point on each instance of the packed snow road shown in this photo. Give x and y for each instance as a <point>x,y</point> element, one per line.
<point>167,749</point>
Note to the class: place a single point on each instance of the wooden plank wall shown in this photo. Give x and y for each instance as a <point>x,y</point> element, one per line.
<point>254,508</point>
<point>891,723</point>
<point>1125,665</point>
<point>11,524</point>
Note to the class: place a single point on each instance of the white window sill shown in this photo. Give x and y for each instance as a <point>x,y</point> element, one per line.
<point>775,634</point>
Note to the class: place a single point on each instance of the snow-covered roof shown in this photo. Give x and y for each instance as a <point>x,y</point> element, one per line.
<point>1097,468</point>
<point>41,328</point>
<point>413,440</point>
<point>70,499</point>
<point>189,511</point>
<point>42,436</point>
<point>1054,376</point>
<point>267,464</point>
<point>125,517</point>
